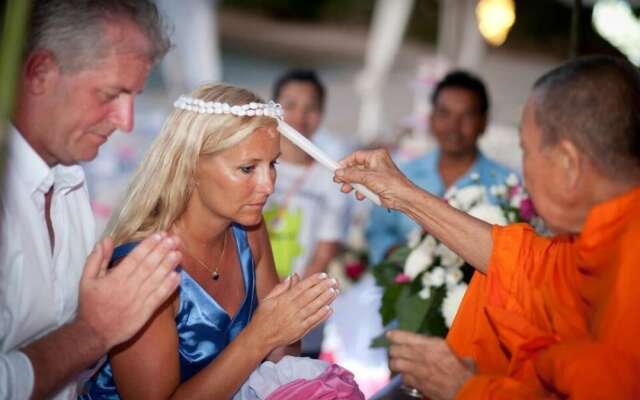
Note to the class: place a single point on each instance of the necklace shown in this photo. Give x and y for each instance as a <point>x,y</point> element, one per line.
<point>215,275</point>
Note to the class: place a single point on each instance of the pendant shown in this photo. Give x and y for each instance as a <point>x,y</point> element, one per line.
<point>215,276</point>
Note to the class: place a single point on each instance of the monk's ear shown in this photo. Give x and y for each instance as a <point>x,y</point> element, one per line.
<point>570,160</point>
<point>40,72</point>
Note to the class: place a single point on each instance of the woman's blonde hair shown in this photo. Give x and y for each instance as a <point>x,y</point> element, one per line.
<point>161,186</point>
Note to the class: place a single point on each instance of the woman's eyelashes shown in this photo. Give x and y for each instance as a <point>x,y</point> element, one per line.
<point>247,169</point>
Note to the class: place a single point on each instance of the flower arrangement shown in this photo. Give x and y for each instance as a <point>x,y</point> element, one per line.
<point>424,281</point>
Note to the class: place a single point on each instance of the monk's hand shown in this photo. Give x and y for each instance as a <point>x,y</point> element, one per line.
<point>375,170</point>
<point>293,308</point>
<point>428,364</point>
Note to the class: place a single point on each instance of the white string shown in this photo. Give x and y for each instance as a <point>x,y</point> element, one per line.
<point>314,151</point>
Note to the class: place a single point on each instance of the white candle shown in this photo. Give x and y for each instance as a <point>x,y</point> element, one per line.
<point>314,151</point>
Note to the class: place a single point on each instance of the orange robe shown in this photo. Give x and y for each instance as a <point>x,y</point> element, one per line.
<point>557,317</point>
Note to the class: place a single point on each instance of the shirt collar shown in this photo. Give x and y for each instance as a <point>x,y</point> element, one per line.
<point>481,161</point>
<point>479,164</point>
<point>433,158</point>
<point>426,168</point>
<point>28,167</point>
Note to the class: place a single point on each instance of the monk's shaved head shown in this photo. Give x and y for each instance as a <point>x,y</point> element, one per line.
<point>594,102</point>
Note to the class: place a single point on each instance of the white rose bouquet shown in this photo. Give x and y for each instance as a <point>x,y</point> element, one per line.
<point>424,281</point>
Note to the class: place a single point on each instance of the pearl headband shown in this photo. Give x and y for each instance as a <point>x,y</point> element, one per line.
<point>270,109</point>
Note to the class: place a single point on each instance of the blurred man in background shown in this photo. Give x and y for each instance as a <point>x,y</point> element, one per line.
<point>458,120</point>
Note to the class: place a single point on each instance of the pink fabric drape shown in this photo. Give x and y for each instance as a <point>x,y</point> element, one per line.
<point>334,383</point>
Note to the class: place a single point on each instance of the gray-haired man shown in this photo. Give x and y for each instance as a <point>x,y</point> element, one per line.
<point>85,62</point>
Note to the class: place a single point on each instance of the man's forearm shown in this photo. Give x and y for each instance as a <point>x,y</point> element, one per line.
<point>62,354</point>
<point>465,235</point>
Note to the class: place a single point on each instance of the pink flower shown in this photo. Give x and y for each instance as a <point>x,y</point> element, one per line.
<point>355,269</point>
<point>513,191</point>
<point>402,278</point>
<point>527,211</point>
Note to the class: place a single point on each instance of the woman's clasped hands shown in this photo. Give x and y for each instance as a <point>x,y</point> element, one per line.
<point>294,307</point>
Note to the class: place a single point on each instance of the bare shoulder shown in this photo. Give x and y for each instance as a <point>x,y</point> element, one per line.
<point>150,356</point>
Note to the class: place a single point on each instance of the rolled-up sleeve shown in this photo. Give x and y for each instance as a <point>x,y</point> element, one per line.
<point>16,376</point>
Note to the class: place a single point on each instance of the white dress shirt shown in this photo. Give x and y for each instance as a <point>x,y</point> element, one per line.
<point>38,289</point>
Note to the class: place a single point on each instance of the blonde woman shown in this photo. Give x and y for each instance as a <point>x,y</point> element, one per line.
<point>206,178</point>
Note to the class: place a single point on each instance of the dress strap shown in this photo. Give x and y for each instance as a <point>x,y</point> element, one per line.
<point>122,251</point>
<point>247,266</point>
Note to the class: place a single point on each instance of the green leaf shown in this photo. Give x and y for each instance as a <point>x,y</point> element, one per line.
<point>380,341</point>
<point>411,310</point>
<point>388,303</point>
<point>399,255</point>
<point>385,274</point>
<point>434,323</point>
<point>416,284</point>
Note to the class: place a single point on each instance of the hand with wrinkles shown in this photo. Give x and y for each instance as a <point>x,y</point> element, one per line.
<point>375,170</point>
<point>428,364</point>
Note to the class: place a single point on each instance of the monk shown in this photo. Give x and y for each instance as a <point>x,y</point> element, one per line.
<point>543,317</point>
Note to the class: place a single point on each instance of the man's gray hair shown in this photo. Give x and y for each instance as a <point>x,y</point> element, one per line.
<point>73,30</point>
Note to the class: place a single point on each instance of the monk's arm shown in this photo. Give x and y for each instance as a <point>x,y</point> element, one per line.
<point>467,236</point>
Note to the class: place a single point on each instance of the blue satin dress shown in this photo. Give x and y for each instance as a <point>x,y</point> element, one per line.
<point>204,327</point>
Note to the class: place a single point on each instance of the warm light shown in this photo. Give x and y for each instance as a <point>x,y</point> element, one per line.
<point>614,20</point>
<point>495,19</point>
